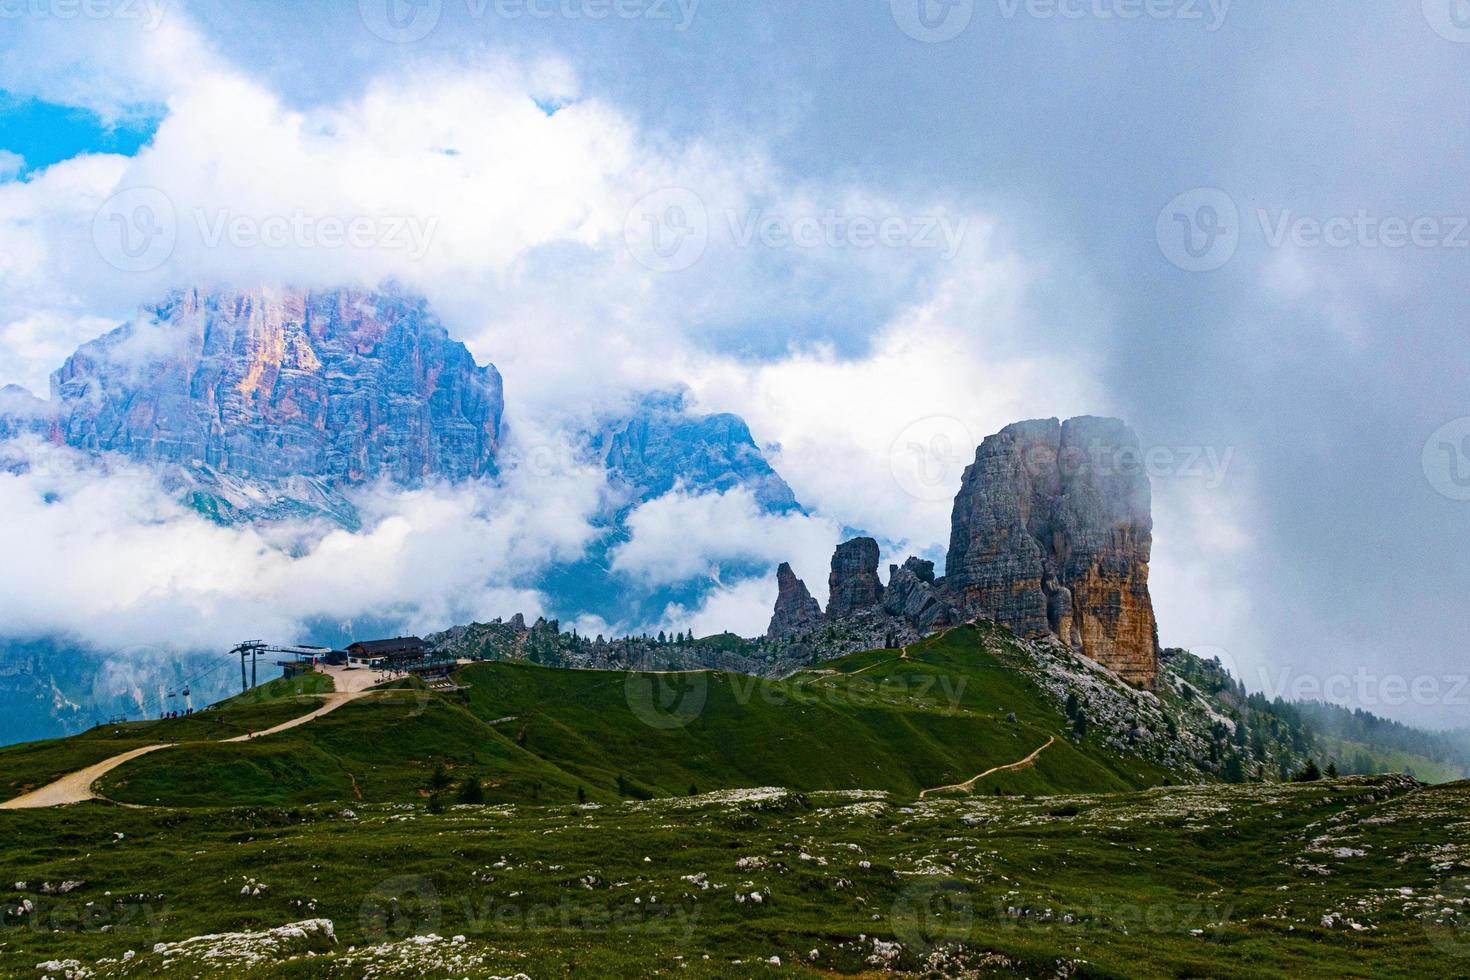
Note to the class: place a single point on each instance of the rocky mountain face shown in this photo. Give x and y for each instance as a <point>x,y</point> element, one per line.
<point>1050,536</point>
<point>914,595</point>
<point>796,610</point>
<point>660,444</point>
<point>50,688</point>
<point>853,585</point>
<point>344,385</point>
<point>267,405</point>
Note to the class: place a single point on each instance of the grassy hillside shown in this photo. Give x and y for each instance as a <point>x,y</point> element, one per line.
<point>948,710</point>
<point>875,720</point>
<point>341,838</point>
<point>27,766</point>
<point>1349,878</point>
<point>1356,758</point>
<point>380,749</point>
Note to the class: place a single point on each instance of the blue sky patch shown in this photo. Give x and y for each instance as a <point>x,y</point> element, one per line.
<point>45,133</point>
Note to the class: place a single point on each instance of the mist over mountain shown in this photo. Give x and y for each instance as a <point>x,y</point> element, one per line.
<point>297,416</point>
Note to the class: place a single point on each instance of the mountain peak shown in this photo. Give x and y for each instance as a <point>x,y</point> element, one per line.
<point>346,385</point>
<point>661,444</point>
<point>1051,534</point>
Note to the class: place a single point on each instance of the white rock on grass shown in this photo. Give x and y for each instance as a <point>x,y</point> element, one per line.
<point>252,949</point>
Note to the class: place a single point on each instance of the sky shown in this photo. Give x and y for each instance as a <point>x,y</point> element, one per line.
<point>876,230</point>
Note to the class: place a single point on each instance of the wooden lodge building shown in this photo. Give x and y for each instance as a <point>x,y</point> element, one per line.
<point>396,654</point>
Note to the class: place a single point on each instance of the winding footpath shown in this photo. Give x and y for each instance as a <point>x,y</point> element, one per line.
<point>903,655</point>
<point>968,786</point>
<point>333,702</point>
<point>76,787</point>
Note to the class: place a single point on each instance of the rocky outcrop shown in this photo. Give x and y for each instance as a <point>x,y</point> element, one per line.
<point>853,585</point>
<point>796,610</point>
<point>662,445</point>
<point>1051,534</point>
<point>342,385</point>
<point>912,594</point>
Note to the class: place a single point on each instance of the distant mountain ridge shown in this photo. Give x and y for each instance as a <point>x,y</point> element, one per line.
<point>342,385</point>
<point>264,403</point>
<point>259,405</point>
<point>660,445</point>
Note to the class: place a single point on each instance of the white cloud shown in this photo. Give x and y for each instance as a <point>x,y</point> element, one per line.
<point>944,374</point>
<point>520,215</point>
<point>1200,572</point>
<point>743,608</point>
<point>527,262</point>
<point>114,66</point>
<point>113,561</point>
<point>681,536</point>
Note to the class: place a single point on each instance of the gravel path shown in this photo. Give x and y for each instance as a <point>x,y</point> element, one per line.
<point>969,785</point>
<point>77,787</point>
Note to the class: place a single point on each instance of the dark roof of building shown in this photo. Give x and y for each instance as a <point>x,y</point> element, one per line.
<point>383,648</point>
